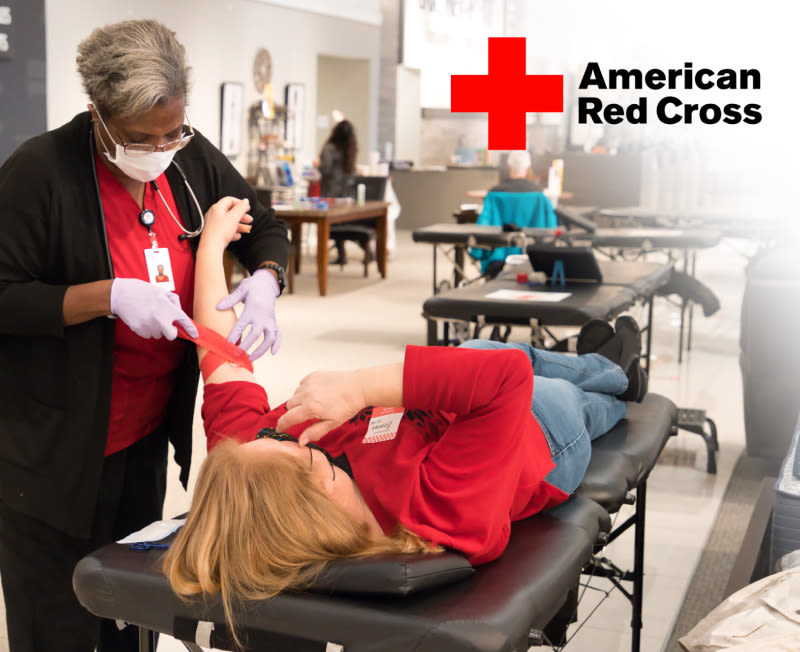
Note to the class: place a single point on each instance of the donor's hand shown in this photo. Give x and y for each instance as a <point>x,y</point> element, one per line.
<point>226,221</point>
<point>330,397</point>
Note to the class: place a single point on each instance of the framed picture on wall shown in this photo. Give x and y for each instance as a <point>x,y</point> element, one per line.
<point>231,118</point>
<point>295,114</point>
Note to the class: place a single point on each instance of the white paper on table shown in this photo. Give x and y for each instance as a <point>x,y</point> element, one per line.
<point>523,295</point>
<point>155,531</point>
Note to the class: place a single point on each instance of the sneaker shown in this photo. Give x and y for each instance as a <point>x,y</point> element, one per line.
<point>612,350</point>
<point>627,330</point>
<point>594,333</point>
<point>637,382</point>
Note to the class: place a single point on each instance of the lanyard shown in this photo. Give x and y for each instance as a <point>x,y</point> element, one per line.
<point>147,218</point>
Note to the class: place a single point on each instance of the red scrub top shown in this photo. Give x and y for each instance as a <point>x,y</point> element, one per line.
<point>144,369</point>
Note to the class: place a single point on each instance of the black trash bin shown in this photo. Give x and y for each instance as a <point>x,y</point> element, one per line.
<point>770,351</point>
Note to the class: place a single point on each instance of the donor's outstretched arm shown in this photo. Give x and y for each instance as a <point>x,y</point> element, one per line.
<point>225,222</point>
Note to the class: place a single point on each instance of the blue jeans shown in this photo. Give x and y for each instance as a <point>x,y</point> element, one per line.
<point>574,402</point>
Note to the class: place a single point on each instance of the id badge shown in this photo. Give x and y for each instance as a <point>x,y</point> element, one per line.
<point>383,425</point>
<point>159,269</point>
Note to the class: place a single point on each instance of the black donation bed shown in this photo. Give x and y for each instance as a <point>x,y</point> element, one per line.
<point>453,240</point>
<point>424,603</point>
<point>504,301</point>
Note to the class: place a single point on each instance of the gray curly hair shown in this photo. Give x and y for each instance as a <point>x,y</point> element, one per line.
<point>129,67</point>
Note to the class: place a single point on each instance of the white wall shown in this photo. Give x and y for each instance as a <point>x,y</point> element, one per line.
<point>408,117</point>
<point>221,38</point>
<point>365,11</point>
<point>343,85</point>
<point>443,39</point>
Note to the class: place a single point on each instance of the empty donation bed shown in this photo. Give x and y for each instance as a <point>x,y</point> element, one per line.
<point>455,239</point>
<point>424,603</point>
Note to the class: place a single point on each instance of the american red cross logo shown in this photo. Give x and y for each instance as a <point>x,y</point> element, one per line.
<point>506,93</point>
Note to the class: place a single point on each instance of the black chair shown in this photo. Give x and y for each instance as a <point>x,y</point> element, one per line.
<point>362,232</point>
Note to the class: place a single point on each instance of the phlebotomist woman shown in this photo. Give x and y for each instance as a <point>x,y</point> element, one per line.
<point>93,382</point>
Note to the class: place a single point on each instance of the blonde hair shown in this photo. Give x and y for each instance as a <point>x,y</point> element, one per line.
<point>129,67</point>
<point>260,525</point>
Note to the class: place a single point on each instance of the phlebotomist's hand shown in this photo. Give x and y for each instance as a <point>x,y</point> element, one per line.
<point>226,221</point>
<point>258,292</point>
<point>332,397</point>
<point>148,310</point>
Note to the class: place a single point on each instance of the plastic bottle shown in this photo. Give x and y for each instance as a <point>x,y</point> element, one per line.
<point>554,176</point>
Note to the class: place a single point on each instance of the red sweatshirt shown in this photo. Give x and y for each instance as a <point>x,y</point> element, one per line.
<point>468,457</point>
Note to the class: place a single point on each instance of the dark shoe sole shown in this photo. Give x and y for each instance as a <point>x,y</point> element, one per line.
<point>594,333</point>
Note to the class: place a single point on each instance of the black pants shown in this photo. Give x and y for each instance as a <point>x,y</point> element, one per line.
<point>36,561</point>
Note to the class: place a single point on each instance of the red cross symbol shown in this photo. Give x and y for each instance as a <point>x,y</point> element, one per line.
<point>506,93</point>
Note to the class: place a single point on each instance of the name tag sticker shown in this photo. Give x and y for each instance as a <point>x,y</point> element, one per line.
<point>383,425</point>
<point>159,269</point>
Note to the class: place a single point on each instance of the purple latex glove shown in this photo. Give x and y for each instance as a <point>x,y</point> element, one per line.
<point>148,310</point>
<point>258,292</point>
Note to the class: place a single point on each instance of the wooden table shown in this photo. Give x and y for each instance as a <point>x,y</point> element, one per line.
<point>336,214</point>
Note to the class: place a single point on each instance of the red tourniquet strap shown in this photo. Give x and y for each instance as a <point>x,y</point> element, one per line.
<point>210,363</point>
<point>216,344</point>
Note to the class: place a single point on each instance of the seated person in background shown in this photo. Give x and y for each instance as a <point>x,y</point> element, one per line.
<point>479,438</point>
<point>519,165</point>
<point>516,201</point>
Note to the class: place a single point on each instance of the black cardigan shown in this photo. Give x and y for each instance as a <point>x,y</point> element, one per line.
<point>55,381</point>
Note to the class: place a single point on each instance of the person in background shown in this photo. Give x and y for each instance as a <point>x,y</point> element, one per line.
<point>518,202</point>
<point>519,165</point>
<point>337,161</point>
<point>337,167</point>
<point>94,383</point>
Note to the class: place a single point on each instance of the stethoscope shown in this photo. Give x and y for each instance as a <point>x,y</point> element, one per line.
<point>147,217</point>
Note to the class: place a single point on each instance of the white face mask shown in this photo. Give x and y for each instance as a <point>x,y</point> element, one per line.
<point>141,168</point>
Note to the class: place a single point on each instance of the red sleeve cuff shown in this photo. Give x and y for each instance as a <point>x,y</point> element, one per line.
<point>233,410</point>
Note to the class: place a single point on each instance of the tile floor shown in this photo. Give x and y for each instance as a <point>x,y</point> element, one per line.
<point>369,321</point>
